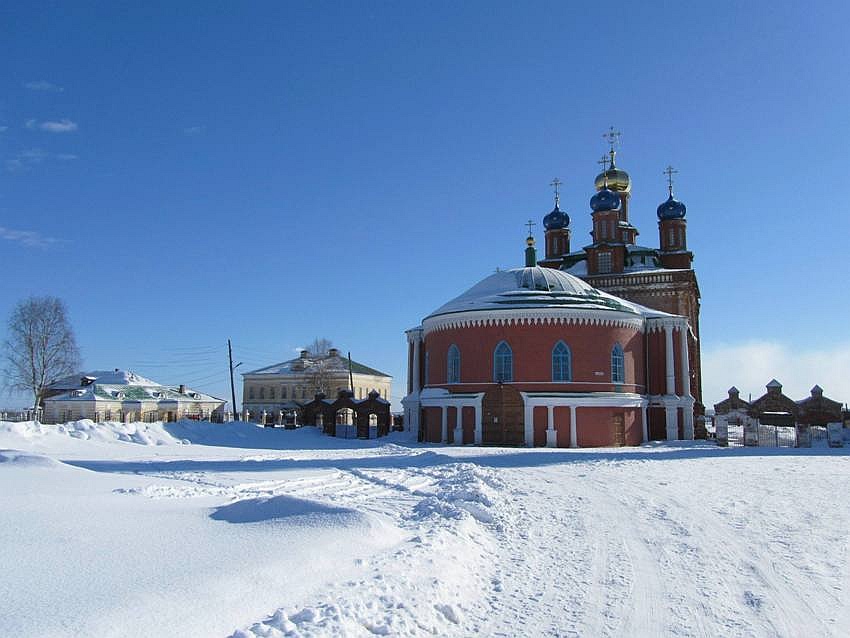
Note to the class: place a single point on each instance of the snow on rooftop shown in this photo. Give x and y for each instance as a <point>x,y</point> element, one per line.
<point>110,377</point>
<point>333,363</point>
<point>538,287</point>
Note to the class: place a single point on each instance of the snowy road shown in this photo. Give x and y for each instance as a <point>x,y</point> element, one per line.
<point>333,538</point>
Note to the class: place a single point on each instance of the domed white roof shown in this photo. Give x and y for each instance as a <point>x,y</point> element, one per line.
<point>536,287</point>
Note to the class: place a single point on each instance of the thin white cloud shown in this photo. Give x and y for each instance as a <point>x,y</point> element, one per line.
<point>751,365</point>
<point>52,126</point>
<point>43,85</point>
<point>30,157</point>
<point>193,130</point>
<point>60,126</point>
<point>27,237</point>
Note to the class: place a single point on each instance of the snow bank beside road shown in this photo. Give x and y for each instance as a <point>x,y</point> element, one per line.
<point>83,437</point>
<point>16,458</point>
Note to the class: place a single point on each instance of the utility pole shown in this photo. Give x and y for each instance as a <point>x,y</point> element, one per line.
<point>232,368</point>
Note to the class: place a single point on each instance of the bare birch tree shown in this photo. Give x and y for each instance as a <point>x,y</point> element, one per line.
<point>319,377</point>
<point>320,346</point>
<point>40,346</point>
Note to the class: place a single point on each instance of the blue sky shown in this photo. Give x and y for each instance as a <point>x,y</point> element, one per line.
<point>272,172</point>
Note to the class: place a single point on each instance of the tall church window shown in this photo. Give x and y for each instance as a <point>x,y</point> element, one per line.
<point>453,364</point>
<point>671,239</point>
<point>271,393</point>
<point>604,262</point>
<point>503,363</point>
<point>262,393</point>
<point>251,392</point>
<point>283,392</point>
<point>427,366</point>
<point>561,363</point>
<point>618,368</point>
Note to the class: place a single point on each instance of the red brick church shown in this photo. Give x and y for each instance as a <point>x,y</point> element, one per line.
<point>593,347</point>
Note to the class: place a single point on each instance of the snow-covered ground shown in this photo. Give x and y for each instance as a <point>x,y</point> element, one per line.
<point>192,529</point>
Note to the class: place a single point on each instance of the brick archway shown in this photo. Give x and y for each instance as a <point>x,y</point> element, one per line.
<point>503,416</point>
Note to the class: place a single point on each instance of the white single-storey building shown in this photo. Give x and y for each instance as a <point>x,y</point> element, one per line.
<point>121,395</point>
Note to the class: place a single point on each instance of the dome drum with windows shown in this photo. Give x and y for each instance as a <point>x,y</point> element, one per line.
<point>536,356</point>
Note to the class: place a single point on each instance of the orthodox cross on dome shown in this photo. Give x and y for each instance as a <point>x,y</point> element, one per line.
<point>530,252</point>
<point>556,184</point>
<point>613,138</point>
<point>604,162</point>
<point>669,172</point>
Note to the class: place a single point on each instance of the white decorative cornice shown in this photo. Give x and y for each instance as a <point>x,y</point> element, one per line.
<point>533,317</point>
<point>674,322</point>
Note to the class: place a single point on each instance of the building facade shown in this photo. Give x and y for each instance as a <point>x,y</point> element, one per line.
<point>659,277</point>
<point>775,408</point>
<point>121,395</point>
<point>536,356</point>
<point>286,386</point>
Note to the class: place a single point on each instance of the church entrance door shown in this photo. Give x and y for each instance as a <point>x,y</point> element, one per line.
<point>503,416</point>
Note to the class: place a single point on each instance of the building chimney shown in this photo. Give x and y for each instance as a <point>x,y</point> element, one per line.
<point>182,389</point>
<point>304,354</point>
<point>333,352</point>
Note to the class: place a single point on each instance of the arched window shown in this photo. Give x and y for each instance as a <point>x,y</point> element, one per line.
<point>453,364</point>
<point>271,393</point>
<point>618,368</point>
<point>283,392</point>
<point>561,363</point>
<point>503,363</point>
<point>427,366</point>
<point>251,392</point>
<point>262,393</point>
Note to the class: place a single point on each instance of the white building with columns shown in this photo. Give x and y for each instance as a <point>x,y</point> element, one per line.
<point>535,356</point>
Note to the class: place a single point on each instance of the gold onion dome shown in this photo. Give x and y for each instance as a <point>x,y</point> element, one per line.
<point>618,179</point>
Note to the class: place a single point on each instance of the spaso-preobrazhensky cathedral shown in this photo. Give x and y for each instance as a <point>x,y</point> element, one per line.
<point>588,347</point>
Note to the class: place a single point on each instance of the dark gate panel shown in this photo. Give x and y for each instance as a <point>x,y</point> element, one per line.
<point>503,416</point>
<point>657,424</point>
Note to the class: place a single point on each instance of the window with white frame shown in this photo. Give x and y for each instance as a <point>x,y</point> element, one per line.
<point>503,363</point>
<point>618,368</point>
<point>561,362</point>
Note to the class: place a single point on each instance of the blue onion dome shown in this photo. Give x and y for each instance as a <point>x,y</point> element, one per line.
<point>605,199</point>
<point>671,209</point>
<point>556,219</point>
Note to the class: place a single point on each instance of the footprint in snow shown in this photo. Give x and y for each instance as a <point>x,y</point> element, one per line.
<point>752,600</point>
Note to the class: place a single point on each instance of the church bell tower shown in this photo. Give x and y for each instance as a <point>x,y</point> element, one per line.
<point>672,229</point>
<point>557,227</point>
